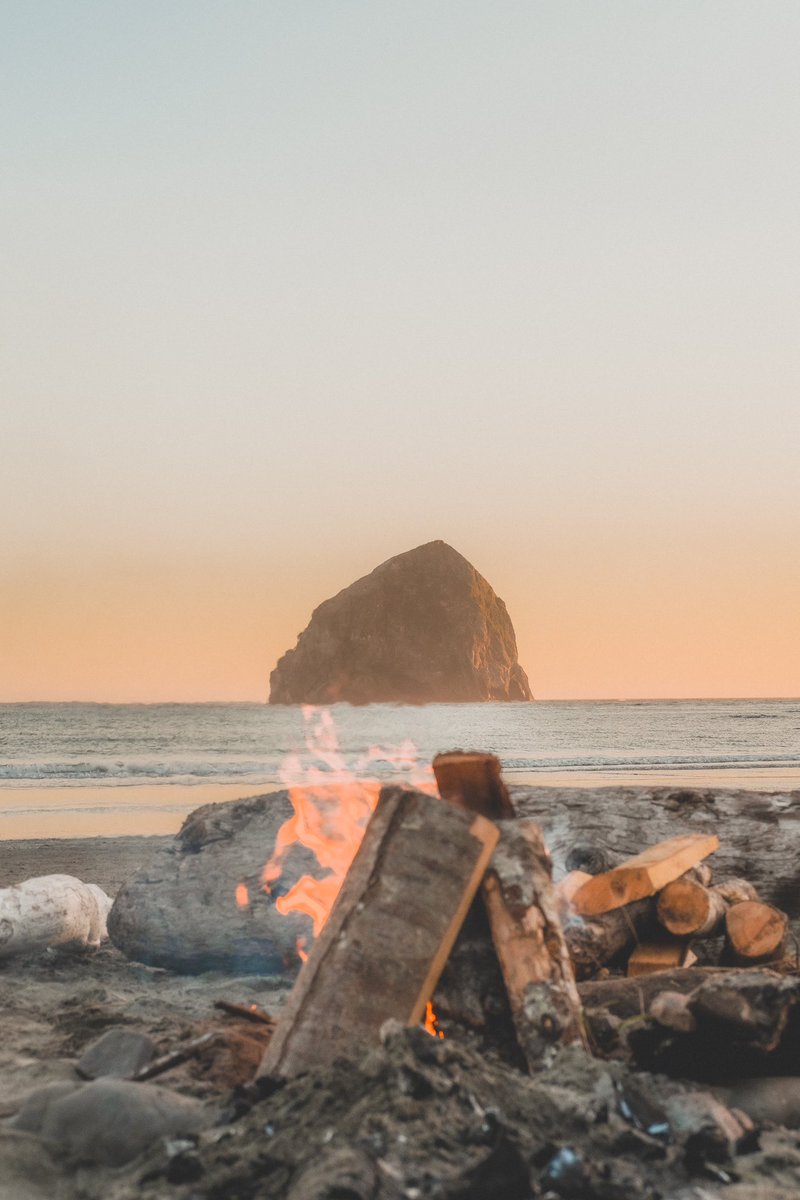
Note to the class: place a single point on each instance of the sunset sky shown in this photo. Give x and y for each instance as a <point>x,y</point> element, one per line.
<point>290,288</point>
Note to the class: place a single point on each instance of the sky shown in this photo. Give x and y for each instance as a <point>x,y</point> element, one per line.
<point>288,289</point>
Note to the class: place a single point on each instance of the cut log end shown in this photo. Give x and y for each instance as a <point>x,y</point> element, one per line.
<point>473,781</point>
<point>756,932</point>
<point>687,908</point>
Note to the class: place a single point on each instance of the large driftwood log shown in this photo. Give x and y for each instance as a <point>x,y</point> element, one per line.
<point>180,910</point>
<point>52,910</point>
<point>388,936</point>
<point>757,830</point>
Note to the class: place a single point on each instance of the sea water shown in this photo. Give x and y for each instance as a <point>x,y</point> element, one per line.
<point>82,769</point>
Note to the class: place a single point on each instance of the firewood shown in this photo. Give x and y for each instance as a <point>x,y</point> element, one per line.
<point>523,915</point>
<point>473,781</point>
<point>644,874</point>
<point>736,891</point>
<point>522,908</point>
<point>390,931</point>
<point>625,997</point>
<point>52,910</point>
<point>649,957</point>
<point>686,908</point>
<point>595,941</point>
<point>755,932</point>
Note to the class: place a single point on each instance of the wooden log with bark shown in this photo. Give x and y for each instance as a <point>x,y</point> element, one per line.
<point>526,930</point>
<point>755,933</point>
<point>522,908</point>
<point>389,933</point>
<point>596,941</point>
<point>688,909</point>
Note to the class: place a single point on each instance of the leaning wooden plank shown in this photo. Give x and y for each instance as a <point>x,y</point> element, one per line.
<point>473,781</point>
<point>526,930</point>
<point>389,933</point>
<point>644,874</point>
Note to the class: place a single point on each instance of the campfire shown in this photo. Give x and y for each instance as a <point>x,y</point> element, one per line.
<point>465,1019</point>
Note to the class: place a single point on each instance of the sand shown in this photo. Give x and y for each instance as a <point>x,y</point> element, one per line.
<point>106,861</point>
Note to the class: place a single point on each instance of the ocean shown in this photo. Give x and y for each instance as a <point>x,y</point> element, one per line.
<point>90,769</point>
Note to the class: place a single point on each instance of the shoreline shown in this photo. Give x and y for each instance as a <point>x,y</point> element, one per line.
<point>98,812</point>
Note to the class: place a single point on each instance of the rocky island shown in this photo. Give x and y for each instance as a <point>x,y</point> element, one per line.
<point>423,627</point>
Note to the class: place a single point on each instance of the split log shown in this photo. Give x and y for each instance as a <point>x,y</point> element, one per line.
<point>529,941</point>
<point>688,909</point>
<point>755,933</point>
<point>473,781</point>
<point>595,941</point>
<point>389,933</point>
<point>52,910</point>
<point>522,908</point>
<point>650,957</point>
<point>644,874</point>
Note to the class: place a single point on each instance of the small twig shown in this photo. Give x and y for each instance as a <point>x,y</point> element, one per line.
<point>249,1014</point>
<point>175,1057</point>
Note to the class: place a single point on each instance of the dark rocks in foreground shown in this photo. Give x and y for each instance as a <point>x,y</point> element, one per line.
<point>423,627</point>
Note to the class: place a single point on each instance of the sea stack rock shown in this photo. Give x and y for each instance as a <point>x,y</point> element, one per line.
<point>422,627</point>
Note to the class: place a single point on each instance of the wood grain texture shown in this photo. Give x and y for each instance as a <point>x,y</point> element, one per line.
<point>389,933</point>
<point>473,780</point>
<point>526,931</point>
<point>644,874</point>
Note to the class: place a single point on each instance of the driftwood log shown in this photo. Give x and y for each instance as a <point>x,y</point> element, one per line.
<point>52,910</point>
<point>383,947</point>
<point>180,910</point>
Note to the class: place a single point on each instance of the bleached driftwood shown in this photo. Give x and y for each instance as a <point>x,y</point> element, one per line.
<point>52,910</point>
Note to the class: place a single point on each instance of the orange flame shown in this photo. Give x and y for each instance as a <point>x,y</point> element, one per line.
<point>430,1024</point>
<point>332,808</point>
<point>242,896</point>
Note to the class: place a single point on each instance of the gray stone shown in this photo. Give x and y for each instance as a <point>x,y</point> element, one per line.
<point>108,1121</point>
<point>422,627</point>
<point>119,1054</point>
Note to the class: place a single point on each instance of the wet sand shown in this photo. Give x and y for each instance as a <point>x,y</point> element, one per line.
<point>106,861</point>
